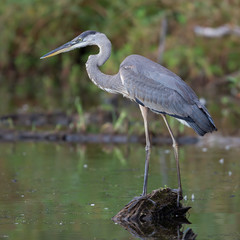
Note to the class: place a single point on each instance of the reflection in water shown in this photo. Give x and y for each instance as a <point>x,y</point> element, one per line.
<point>156,216</point>
<point>61,191</point>
<point>160,230</point>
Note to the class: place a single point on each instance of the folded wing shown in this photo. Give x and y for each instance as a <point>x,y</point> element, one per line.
<point>162,91</point>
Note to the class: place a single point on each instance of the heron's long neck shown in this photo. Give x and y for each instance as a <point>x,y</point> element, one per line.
<point>106,82</point>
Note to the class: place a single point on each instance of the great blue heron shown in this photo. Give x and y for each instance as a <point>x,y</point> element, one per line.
<point>150,85</point>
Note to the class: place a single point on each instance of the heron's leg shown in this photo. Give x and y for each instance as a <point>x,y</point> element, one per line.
<point>144,112</point>
<point>143,196</point>
<point>175,147</point>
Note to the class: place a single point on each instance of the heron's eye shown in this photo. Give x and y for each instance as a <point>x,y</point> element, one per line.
<point>80,39</point>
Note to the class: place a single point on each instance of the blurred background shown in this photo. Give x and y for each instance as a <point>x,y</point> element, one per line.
<point>164,31</point>
<point>56,190</point>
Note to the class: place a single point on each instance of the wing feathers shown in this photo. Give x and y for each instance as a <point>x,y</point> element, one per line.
<point>155,87</point>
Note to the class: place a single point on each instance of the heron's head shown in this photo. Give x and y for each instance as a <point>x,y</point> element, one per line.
<point>84,39</point>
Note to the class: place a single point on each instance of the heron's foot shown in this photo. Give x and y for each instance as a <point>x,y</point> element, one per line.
<point>179,195</point>
<point>178,191</point>
<point>136,200</point>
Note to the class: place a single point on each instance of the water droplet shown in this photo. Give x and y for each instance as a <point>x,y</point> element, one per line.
<point>221,160</point>
<point>85,165</point>
<point>204,149</point>
<point>227,147</point>
<point>192,197</point>
<point>167,151</point>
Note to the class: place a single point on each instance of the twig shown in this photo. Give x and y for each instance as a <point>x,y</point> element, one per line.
<point>217,32</point>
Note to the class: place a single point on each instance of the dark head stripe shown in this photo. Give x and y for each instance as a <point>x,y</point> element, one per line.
<point>89,32</point>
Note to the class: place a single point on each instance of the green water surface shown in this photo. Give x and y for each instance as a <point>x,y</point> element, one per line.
<point>63,191</point>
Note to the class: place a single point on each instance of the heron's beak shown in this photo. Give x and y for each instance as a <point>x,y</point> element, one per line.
<point>64,48</point>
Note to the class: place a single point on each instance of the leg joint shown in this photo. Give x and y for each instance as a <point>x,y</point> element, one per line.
<point>147,148</point>
<point>175,145</point>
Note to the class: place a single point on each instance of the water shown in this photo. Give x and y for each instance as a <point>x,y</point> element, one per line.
<point>62,191</point>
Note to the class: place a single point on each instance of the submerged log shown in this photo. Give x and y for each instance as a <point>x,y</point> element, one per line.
<point>159,204</point>
<point>156,215</point>
<point>68,136</point>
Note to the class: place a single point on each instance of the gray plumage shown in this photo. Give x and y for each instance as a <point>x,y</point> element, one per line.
<point>164,92</point>
<point>150,85</point>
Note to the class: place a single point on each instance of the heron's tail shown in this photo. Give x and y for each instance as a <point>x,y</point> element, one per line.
<point>202,122</point>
